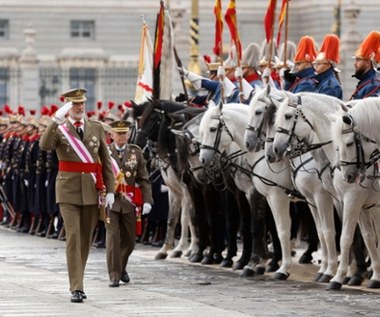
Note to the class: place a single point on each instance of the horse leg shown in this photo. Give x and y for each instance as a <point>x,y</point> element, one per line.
<point>369,235</point>
<point>173,216</point>
<point>279,204</point>
<point>350,220</point>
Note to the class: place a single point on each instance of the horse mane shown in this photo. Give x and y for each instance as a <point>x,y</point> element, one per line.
<point>149,106</point>
<point>366,115</point>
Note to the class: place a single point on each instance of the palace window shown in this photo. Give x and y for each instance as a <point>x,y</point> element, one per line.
<point>4,29</point>
<point>4,77</point>
<point>83,29</point>
<point>85,78</point>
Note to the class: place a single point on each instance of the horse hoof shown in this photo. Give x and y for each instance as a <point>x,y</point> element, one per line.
<point>247,272</point>
<point>305,259</point>
<point>176,254</point>
<point>196,258</point>
<point>272,267</point>
<point>161,256</point>
<point>369,274</point>
<point>374,284</point>
<point>281,276</point>
<point>238,265</point>
<point>217,258</point>
<point>317,277</point>
<point>334,286</point>
<point>260,270</point>
<point>355,280</point>
<point>226,263</point>
<point>346,280</point>
<point>207,260</point>
<point>325,278</point>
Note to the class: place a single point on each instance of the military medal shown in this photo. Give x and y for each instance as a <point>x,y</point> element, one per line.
<point>128,174</point>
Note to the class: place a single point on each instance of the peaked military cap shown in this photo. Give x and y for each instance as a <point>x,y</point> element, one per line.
<point>120,126</point>
<point>75,95</point>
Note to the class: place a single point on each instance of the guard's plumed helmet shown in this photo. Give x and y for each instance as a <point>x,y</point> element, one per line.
<point>306,51</point>
<point>370,48</point>
<point>329,51</point>
<point>290,52</point>
<point>231,61</point>
<point>251,56</point>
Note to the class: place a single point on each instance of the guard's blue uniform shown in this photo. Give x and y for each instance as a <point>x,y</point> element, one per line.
<point>304,81</point>
<point>328,84</point>
<point>368,86</point>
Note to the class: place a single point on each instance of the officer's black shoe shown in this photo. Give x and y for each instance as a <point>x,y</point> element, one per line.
<point>125,277</point>
<point>84,296</point>
<point>114,284</point>
<point>76,297</point>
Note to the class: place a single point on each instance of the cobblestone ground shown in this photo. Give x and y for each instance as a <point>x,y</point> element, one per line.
<point>33,282</point>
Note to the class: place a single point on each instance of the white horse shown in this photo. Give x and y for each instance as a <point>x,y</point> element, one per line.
<point>366,116</point>
<point>305,177</point>
<point>304,121</point>
<point>218,129</point>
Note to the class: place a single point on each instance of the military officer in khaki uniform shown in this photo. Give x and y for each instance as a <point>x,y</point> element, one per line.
<point>121,218</point>
<point>85,170</point>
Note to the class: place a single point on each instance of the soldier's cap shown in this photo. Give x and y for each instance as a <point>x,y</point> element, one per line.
<point>75,95</point>
<point>212,67</point>
<point>306,51</point>
<point>370,47</point>
<point>120,126</point>
<point>329,51</point>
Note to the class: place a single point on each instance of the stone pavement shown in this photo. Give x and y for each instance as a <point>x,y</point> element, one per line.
<point>33,282</point>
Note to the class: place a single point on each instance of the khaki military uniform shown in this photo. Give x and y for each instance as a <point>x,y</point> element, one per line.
<point>120,231</point>
<point>76,193</point>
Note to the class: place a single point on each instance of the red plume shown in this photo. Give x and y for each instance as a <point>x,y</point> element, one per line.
<point>110,104</point>
<point>53,109</point>
<point>45,111</point>
<point>99,105</point>
<point>8,109</point>
<point>207,59</point>
<point>128,104</point>
<point>21,110</point>
<point>90,114</point>
<point>62,98</point>
<point>32,112</point>
<point>121,108</point>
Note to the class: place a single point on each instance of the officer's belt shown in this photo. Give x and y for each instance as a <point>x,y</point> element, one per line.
<point>78,167</point>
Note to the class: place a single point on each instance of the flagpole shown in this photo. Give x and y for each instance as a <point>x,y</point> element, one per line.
<point>271,34</point>
<point>286,33</point>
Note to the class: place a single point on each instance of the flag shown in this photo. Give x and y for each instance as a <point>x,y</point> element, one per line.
<point>281,19</point>
<point>144,87</point>
<point>157,53</point>
<point>230,17</point>
<point>218,48</point>
<point>268,21</point>
<point>160,23</point>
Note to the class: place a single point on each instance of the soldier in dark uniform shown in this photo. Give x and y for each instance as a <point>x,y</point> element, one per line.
<point>85,174</point>
<point>325,68</point>
<point>366,58</point>
<point>121,218</point>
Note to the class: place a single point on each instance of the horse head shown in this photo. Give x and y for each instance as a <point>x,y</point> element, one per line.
<point>356,152</point>
<point>263,107</point>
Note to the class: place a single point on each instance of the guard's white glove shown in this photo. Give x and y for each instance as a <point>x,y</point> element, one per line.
<point>195,79</point>
<point>221,71</point>
<point>164,188</point>
<point>238,72</point>
<point>110,199</point>
<point>282,73</point>
<point>289,64</point>
<point>59,116</point>
<point>146,208</point>
<point>183,71</point>
<point>26,182</point>
<point>266,73</point>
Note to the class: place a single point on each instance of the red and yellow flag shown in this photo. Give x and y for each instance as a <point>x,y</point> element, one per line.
<point>160,23</point>
<point>218,48</point>
<point>269,19</point>
<point>281,19</point>
<point>231,20</point>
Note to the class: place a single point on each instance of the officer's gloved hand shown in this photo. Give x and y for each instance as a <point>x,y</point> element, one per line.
<point>59,116</point>
<point>266,73</point>
<point>146,208</point>
<point>183,71</point>
<point>110,199</point>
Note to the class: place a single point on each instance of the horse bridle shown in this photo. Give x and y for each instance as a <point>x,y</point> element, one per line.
<point>221,125</point>
<point>301,147</point>
<point>360,162</point>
